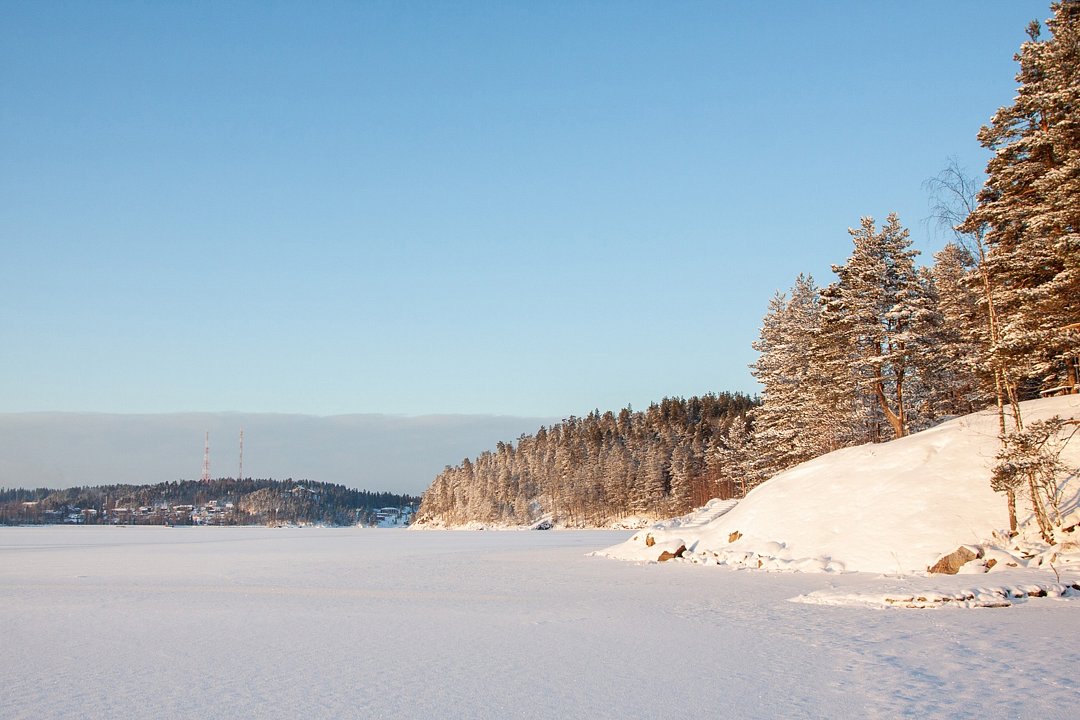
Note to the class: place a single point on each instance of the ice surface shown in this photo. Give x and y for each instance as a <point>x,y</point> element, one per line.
<point>320,623</point>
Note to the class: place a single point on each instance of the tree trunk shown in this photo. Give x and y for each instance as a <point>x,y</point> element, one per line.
<point>1012,512</point>
<point>896,420</point>
<point>1046,530</point>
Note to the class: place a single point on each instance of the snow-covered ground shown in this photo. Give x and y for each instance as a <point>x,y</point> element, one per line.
<point>315,623</point>
<point>892,508</point>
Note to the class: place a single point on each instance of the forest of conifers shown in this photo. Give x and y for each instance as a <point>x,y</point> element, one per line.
<point>888,348</point>
<point>598,469</point>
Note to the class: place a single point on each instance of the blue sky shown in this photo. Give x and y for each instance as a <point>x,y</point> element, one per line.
<point>530,209</point>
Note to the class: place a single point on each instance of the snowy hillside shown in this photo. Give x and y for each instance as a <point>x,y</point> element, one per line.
<point>891,508</point>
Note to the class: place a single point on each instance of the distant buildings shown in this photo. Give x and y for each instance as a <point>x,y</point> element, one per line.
<point>392,517</point>
<point>223,502</point>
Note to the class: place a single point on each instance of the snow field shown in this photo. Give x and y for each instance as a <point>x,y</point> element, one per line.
<point>305,623</point>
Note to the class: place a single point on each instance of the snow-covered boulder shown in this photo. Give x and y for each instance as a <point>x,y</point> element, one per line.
<point>644,547</point>
<point>950,564</point>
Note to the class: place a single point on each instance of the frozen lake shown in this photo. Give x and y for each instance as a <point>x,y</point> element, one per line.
<point>321,623</point>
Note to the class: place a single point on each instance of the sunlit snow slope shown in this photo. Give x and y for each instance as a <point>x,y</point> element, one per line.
<point>890,508</point>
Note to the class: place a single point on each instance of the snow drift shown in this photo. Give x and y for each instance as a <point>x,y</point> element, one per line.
<point>894,507</point>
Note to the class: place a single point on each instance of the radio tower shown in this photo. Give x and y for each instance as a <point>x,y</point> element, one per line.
<point>206,460</point>
<point>240,476</point>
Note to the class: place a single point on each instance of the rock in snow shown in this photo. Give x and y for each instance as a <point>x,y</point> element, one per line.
<point>950,564</point>
<point>645,547</point>
<point>893,508</point>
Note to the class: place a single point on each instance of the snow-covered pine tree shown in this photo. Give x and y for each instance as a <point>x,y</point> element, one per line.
<point>1029,215</point>
<point>954,197</point>
<point>776,421</point>
<point>680,499</point>
<point>615,476</point>
<point>797,419</point>
<point>875,303</point>
<point>844,406</point>
<point>734,463</point>
<point>954,343</point>
<point>1030,205</point>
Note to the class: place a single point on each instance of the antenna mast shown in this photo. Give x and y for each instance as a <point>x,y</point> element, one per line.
<point>240,476</point>
<point>206,460</point>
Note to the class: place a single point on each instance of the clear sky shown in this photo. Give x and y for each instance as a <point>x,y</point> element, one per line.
<point>411,208</point>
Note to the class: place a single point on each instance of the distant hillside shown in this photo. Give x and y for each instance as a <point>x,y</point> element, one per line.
<point>219,502</point>
<point>598,470</point>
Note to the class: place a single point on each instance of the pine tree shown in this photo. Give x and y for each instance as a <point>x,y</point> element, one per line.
<point>955,203</point>
<point>738,461</point>
<point>777,422</point>
<point>954,198</point>
<point>680,478</point>
<point>1030,205</point>
<point>875,303</point>
<point>845,412</point>
<point>798,387</point>
<point>1029,215</point>
<point>955,343</point>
